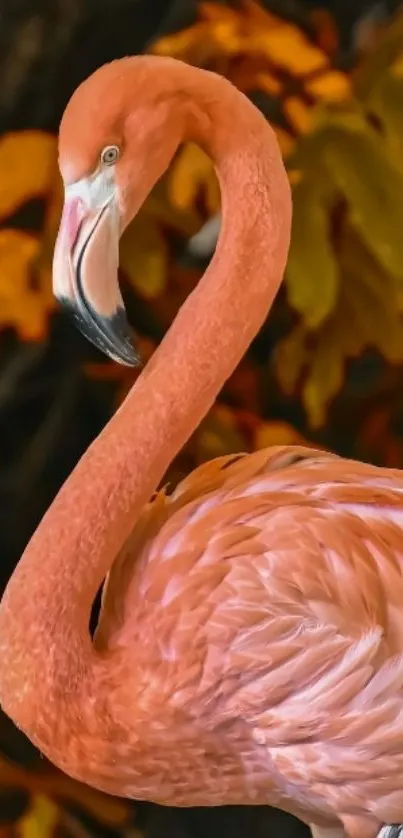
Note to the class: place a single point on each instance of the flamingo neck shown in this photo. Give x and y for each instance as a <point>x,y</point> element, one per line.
<point>45,647</point>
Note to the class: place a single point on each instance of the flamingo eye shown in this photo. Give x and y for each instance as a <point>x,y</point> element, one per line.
<point>110,155</point>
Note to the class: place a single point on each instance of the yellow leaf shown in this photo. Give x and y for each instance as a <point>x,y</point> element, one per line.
<point>288,48</point>
<point>23,304</point>
<point>386,103</point>
<point>312,272</point>
<point>27,167</point>
<point>372,185</point>
<point>41,818</point>
<point>330,86</point>
<point>143,256</point>
<point>193,173</point>
<point>227,38</point>
<point>397,67</point>
<point>298,114</point>
<point>267,82</point>
<point>366,315</point>
<point>247,30</point>
<point>371,302</point>
<point>325,375</point>
<point>331,345</point>
<point>290,357</point>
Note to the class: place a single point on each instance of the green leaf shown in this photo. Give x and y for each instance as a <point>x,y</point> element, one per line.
<point>386,103</point>
<point>324,379</point>
<point>143,256</point>
<point>377,62</point>
<point>372,302</point>
<point>372,186</point>
<point>312,274</point>
<point>290,357</point>
<point>40,820</point>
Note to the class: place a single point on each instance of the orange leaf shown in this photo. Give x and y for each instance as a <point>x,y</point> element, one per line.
<point>23,305</point>
<point>27,168</point>
<point>288,48</point>
<point>191,173</point>
<point>298,114</point>
<point>267,82</point>
<point>144,256</point>
<point>331,86</point>
<point>41,818</point>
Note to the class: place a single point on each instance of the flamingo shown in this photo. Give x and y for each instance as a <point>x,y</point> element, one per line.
<point>249,646</point>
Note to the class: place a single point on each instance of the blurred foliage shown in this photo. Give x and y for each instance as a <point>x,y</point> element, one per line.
<point>325,370</point>
<point>341,138</point>
<point>45,803</point>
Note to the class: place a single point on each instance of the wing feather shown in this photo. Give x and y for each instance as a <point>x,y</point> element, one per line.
<point>272,584</point>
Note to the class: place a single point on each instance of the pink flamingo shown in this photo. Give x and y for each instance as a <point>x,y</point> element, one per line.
<point>249,648</point>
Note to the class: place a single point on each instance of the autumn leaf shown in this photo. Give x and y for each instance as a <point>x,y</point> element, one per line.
<point>143,256</point>
<point>312,276</point>
<point>193,173</point>
<point>319,366</point>
<point>371,183</point>
<point>250,32</point>
<point>41,818</point>
<point>385,103</point>
<point>325,375</point>
<point>331,86</point>
<point>255,49</point>
<point>298,114</point>
<point>25,293</point>
<point>290,358</point>
<point>372,297</point>
<point>290,50</point>
<point>366,314</point>
<point>27,168</point>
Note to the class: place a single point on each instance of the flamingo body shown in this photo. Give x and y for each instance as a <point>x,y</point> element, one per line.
<point>250,643</point>
<point>255,601</point>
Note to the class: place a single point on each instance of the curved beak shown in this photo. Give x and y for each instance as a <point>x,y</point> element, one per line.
<point>85,266</point>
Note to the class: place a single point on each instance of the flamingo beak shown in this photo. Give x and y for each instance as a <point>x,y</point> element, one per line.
<point>85,266</point>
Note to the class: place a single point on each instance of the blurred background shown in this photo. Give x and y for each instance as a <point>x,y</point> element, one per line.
<point>327,367</point>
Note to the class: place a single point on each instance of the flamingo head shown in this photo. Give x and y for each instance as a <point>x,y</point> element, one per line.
<point>117,136</point>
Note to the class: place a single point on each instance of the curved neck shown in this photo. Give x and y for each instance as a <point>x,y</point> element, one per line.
<point>44,640</point>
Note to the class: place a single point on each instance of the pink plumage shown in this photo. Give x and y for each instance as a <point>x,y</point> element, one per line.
<point>249,648</point>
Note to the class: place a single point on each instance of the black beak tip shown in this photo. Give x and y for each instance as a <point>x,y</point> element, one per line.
<point>111,335</point>
<point>120,336</point>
